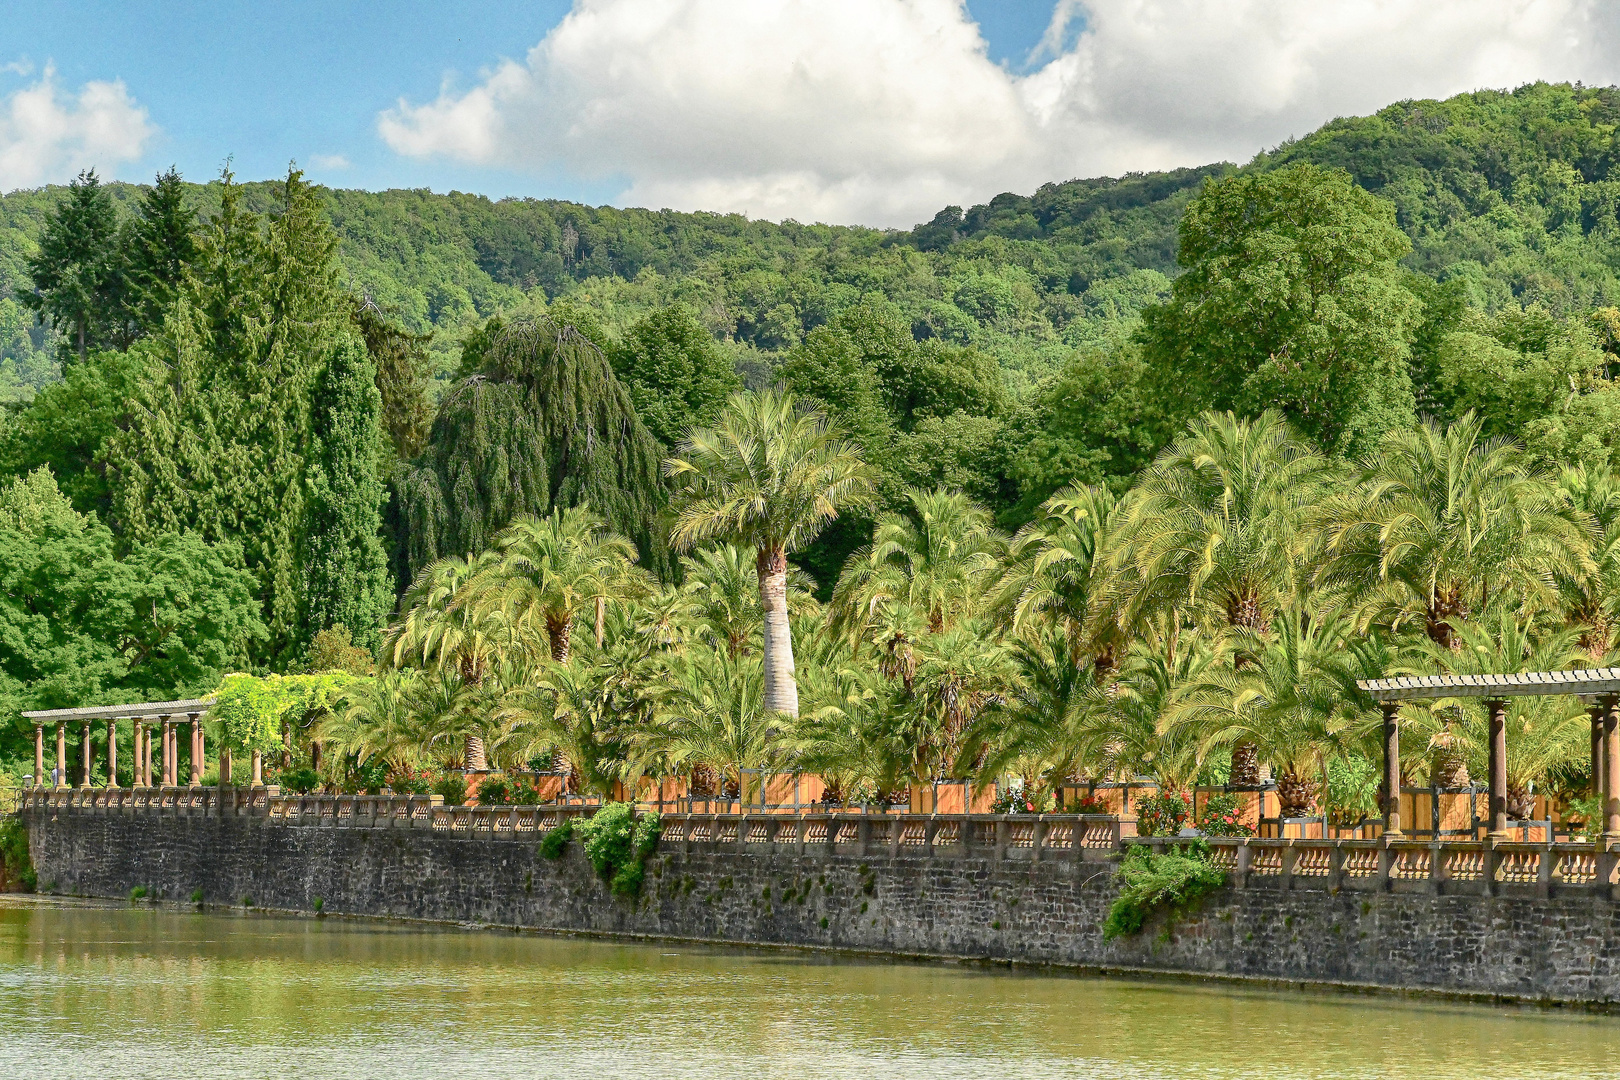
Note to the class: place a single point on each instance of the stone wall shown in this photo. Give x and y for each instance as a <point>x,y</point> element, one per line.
<point>1559,949</point>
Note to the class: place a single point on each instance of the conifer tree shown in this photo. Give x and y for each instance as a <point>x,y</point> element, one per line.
<point>75,273</point>
<point>348,581</point>
<point>158,244</point>
<point>220,441</point>
<point>543,423</point>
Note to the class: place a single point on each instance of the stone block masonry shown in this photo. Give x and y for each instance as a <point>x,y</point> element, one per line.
<point>893,901</point>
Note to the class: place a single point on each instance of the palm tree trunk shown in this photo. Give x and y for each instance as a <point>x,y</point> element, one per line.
<point>557,632</point>
<point>475,759</point>
<point>781,690</point>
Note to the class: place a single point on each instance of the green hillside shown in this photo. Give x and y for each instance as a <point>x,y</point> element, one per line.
<point>1512,193</point>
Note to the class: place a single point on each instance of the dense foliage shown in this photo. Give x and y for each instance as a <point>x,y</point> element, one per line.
<point>1126,476</point>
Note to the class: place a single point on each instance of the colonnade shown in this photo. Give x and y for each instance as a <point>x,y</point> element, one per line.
<point>165,726</point>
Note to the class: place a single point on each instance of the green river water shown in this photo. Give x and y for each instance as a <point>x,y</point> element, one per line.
<point>113,990</point>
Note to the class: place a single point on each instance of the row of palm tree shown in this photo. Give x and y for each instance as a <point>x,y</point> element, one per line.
<point>1209,623</point>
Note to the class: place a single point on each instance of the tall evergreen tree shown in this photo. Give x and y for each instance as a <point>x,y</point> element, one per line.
<point>75,272</point>
<point>348,580</point>
<point>543,423</point>
<point>158,244</point>
<point>220,442</point>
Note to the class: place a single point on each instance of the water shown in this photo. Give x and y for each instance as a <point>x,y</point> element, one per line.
<point>130,990</point>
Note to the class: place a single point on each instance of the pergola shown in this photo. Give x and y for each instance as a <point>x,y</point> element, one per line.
<point>165,715</point>
<point>1599,686</point>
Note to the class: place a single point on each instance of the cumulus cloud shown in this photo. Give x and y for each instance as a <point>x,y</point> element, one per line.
<point>48,133</point>
<point>881,111</point>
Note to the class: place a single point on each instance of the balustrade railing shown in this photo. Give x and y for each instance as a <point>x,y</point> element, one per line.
<point>1442,867</point>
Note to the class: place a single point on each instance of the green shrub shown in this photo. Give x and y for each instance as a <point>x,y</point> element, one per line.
<point>410,781</point>
<point>1588,810</point>
<point>493,790</point>
<point>138,893</point>
<point>551,847</point>
<point>452,787</point>
<point>1149,881</point>
<point>618,844</point>
<point>16,866</point>
<point>524,793</point>
<point>371,777</point>
<point>1223,818</point>
<point>300,781</point>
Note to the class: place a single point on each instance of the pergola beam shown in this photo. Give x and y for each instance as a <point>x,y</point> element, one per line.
<point>1586,682</point>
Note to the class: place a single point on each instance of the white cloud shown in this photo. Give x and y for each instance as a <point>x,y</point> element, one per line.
<point>330,162</point>
<point>48,134</point>
<point>882,111</point>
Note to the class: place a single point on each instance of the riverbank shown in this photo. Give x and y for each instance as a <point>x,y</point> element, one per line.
<point>986,909</point>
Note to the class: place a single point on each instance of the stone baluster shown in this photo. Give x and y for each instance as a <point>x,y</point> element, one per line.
<point>86,756</point>
<point>196,748</point>
<point>112,753</point>
<point>39,753</point>
<point>61,755</point>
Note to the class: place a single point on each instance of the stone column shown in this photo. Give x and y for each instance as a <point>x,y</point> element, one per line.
<point>61,753</point>
<point>224,766</point>
<point>1596,713</point>
<point>1611,768</point>
<point>1392,768</point>
<point>1497,768</point>
<point>143,754</point>
<point>258,768</point>
<point>87,755</point>
<point>171,767</point>
<point>112,753</point>
<point>39,754</point>
<point>196,748</point>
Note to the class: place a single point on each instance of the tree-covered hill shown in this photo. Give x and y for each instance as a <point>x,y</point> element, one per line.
<point>1512,193</point>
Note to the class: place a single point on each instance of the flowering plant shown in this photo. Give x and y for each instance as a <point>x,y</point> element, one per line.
<point>1090,803</point>
<point>1024,801</point>
<point>1163,814</point>
<point>1222,817</point>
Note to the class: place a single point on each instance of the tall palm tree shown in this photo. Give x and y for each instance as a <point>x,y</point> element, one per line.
<point>443,631</point>
<point>550,569</point>
<point>1214,530</point>
<point>1444,522</point>
<point>769,476</point>
<point>939,557</point>
<point>720,593</point>
<point>384,721</point>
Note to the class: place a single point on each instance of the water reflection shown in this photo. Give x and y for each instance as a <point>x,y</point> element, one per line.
<point>115,990</point>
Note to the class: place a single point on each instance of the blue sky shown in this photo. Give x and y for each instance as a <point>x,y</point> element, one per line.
<point>870,111</point>
<point>267,83</point>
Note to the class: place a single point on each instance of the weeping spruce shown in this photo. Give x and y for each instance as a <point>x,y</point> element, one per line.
<point>543,422</point>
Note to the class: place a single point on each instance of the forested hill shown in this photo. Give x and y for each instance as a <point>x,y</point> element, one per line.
<point>1512,193</point>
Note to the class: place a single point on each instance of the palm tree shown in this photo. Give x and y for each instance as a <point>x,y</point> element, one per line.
<point>1592,600</point>
<point>1444,522</point>
<point>443,631</point>
<point>1294,700</point>
<point>582,709</point>
<point>938,558</point>
<point>385,720</point>
<point>1051,569</point>
<point>550,569</point>
<point>770,476</point>
<point>961,673</point>
<point>1213,530</point>
<point>709,715</point>
<point>720,593</point>
<point>1038,731</point>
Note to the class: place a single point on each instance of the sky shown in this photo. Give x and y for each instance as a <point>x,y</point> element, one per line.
<point>874,112</point>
